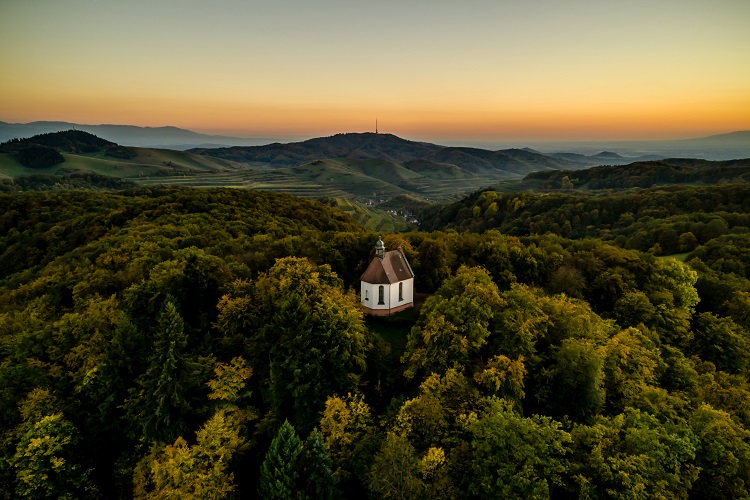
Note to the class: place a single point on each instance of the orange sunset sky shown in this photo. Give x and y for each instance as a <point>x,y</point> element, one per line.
<point>474,69</point>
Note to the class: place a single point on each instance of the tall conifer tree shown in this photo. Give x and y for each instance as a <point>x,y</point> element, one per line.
<point>160,403</point>
<point>316,468</point>
<point>280,469</point>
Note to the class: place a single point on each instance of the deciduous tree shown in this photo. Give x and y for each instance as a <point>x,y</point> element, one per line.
<point>45,461</point>
<point>454,323</point>
<point>395,471</point>
<point>513,456</point>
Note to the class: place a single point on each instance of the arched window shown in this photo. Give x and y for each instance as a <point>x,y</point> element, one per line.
<point>400,291</point>
<point>367,294</point>
<point>381,295</point>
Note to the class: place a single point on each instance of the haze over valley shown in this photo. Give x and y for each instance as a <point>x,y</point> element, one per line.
<point>717,147</point>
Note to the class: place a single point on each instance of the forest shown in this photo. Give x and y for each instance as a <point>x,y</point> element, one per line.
<point>664,220</point>
<point>63,179</point>
<point>645,174</point>
<point>169,342</point>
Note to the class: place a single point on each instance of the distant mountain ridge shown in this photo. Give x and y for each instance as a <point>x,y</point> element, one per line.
<point>734,138</point>
<point>388,147</point>
<point>167,137</point>
<point>346,145</point>
<point>719,147</point>
<point>731,145</point>
<point>368,166</point>
<point>605,157</point>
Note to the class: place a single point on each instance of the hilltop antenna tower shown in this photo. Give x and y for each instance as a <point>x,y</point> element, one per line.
<point>376,125</point>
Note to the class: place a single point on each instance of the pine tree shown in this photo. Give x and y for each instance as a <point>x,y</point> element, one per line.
<point>317,478</point>
<point>117,371</point>
<point>158,406</point>
<point>280,470</point>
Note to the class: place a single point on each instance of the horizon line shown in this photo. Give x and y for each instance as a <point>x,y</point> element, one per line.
<point>418,137</point>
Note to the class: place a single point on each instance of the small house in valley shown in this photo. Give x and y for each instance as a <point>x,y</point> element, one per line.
<point>387,286</point>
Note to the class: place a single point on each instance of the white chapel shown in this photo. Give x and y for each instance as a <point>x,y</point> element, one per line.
<point>388,283</point>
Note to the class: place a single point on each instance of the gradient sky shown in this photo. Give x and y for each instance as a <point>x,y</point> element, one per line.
<point>426,69</point>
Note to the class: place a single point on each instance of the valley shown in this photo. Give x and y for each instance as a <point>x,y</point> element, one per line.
<point>371,176</point>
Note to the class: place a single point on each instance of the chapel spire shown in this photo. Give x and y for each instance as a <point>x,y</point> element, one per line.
<point>379,249</point>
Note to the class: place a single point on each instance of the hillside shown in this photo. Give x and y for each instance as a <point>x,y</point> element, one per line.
<point>376,177</point>
<point>381,172</point>
<point>346,177</point>
<point>86,152</point>
<point>391,148</point>
<point>505,163</point>
<point>379,165</point>
<point>250,211</point>
<point>646,174</point>
<point>666,220</point>
<point>665,206</point>
<point>436,170</point>
<point>352,175</point>
<point>64,179</point>
<point>328,177</point>
<point>68,141</point>
<point>358,146</point>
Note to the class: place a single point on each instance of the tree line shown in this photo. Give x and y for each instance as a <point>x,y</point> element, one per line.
<point>665,220</point>
<point>645,174</point>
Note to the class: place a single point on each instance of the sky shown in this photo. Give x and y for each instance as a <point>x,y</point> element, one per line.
<point>425,69</point>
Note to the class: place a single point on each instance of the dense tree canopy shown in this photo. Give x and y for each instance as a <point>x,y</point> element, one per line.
<point>677,218</point>
<point>645,174</point>
<point>172,343</point>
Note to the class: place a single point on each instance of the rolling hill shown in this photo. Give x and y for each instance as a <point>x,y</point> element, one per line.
<point>86,152</point>
<point>364,166</point>
<point>437,170</point>
<point>646,174</point>
<point>359,146</point>
<point>508,163</point>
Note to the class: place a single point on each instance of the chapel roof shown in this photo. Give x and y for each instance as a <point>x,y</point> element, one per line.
<point>392,268</point>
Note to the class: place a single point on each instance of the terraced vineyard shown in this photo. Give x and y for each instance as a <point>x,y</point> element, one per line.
<point>373,218</point>
<point>269,180</point>
<point>370,217</point>
<point>352,187</point>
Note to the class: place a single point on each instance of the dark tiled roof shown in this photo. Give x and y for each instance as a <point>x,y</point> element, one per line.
<point>391,269</point>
